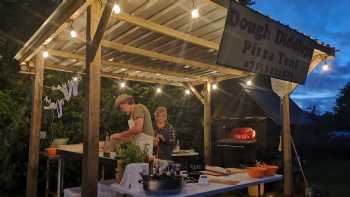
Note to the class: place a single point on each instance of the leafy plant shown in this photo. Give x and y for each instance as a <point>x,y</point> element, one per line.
<point>132,153</point>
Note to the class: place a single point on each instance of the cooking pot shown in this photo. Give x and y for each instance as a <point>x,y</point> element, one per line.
<point>161,185</point>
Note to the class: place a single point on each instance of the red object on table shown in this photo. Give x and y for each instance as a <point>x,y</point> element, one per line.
<point>243,134</point>
<point>51,151</point>
<point>256,172</point>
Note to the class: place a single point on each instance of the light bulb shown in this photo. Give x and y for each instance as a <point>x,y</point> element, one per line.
<point>159,90</point>
<point>122,85</point>
<point>75,78</point>
<point>73,34</point>
<point>215,86</point>
<point>187,92</point>
<point>249,82</point>
<point>45,54</point>
<point>325,67</point>
<point>195,13</point>
<point>116,9</point>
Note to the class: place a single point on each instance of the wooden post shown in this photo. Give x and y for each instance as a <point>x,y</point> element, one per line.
<point>92,105</point>
<point>287,154</point>
<point>207,124</point>
<point>34,142</point>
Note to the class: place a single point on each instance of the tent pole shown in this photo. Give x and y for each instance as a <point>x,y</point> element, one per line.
<point>207,124</point>
<point>34,142</point>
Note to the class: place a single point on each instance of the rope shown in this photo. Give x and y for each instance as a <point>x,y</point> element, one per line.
<point>298,159</point>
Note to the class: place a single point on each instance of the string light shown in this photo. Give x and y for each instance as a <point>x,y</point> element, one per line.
<point>325,67</point>
<point>45,54</point>
<point>249,82</point>
<point>187,92</point>
<point>116,8</point>
<point>122,85</point>
<point>159,90</point>
<point>215,86</point>
<point>75,78</point>
<point>195,12</point>
<point>73,33</point>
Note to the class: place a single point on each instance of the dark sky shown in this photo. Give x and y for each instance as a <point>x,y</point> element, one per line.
<point>328,21</point>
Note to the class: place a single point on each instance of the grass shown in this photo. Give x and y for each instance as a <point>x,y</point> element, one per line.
<point>330,175</point>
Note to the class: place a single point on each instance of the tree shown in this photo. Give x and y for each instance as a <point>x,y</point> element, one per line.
<point>342,108</point>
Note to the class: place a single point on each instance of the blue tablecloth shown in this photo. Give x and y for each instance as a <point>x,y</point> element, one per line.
<point>196,190</point>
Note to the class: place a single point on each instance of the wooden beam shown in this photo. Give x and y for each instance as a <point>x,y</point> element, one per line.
<point>110,75</point>
<point>92,104</point>
<point>55,24</point>
<point>124,65</point>
<point>195,92</point>
<point>166,31</point>
<point>207,124</point>
<point>287,152</point>
<point>95,44</point>
<point>34,141</point>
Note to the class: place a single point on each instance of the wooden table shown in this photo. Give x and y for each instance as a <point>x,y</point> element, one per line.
<point>196,190</point>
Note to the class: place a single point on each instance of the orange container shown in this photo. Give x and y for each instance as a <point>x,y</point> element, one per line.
<point>271,170</point>
<point>256,172</point>
<point>51,151</point>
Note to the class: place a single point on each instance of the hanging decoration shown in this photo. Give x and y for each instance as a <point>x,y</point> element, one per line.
<point>68,89</point>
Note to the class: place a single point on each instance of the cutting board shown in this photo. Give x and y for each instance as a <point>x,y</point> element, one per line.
<point>222,180</point>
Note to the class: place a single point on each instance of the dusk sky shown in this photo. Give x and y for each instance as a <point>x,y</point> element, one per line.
<point>329,22</point>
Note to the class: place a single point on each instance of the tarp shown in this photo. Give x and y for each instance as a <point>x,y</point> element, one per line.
<point>240,101</point>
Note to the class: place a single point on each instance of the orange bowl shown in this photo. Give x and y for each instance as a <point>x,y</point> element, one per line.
<point>51,151</point>
<point>271,170</point>
<point>256,172</point>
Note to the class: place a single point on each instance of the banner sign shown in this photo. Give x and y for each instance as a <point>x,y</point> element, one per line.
<point>255,43</point>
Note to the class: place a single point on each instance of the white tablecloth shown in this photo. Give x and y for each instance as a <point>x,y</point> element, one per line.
<point>104,190</point>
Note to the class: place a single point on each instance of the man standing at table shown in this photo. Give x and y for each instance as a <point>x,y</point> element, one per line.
<point>140,123</point>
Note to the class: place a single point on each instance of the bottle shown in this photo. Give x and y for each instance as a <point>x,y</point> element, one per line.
<point>151,168</point>
<point>107,146</point>
<point>177,147</point>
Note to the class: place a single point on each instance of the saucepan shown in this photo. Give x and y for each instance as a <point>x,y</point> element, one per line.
<point>161,184</point>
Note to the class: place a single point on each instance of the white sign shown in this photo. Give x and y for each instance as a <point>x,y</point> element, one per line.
<point>255,43</point>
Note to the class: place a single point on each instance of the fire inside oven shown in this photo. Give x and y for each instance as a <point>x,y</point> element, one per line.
<point>239,149</point>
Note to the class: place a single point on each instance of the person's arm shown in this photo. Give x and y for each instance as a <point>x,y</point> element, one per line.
<point>127,135</point>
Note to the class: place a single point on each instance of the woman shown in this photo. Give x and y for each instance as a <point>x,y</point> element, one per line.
<point>164,134</point>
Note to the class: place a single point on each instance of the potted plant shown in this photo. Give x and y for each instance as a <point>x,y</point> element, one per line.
<point>129,152</point>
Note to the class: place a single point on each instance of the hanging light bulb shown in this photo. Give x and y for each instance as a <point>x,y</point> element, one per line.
<point>195,13</point>
<point>122,85</point>
<point>325,67</point>
<point>45,54</point>
<point>249,82</point>
<point>159,90</point>
<point>215,86</point>
<point>75,78</point>
<point>116,8</point>
<point>187,92</point>
<point>73,33</point>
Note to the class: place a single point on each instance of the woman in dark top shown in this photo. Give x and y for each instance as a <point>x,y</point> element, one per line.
<point>164,134</point>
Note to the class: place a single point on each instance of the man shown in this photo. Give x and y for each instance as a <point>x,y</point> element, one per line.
<point>140,123</point>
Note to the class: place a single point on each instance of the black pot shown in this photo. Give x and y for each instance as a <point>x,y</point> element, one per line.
<point>161,185</point>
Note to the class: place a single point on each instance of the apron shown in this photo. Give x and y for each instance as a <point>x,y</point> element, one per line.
<point>142,140</point>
